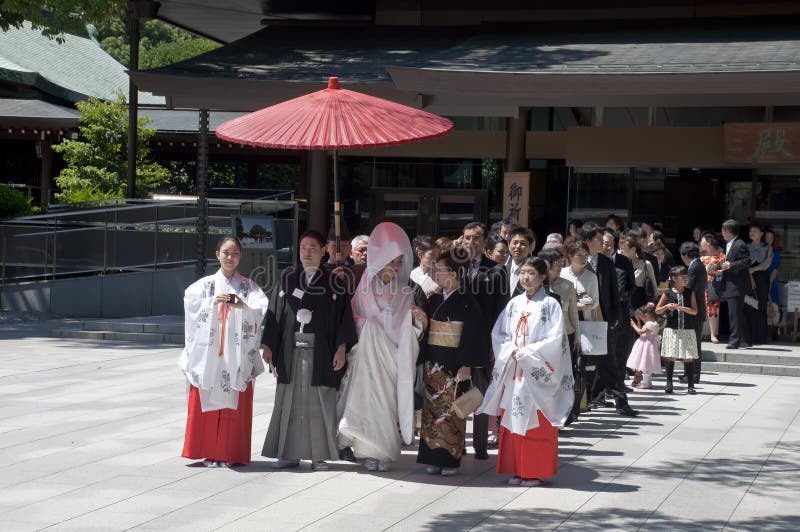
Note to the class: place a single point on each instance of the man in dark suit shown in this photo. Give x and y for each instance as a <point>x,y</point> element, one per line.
<point>603,267</point>
<point>488,283</point>
<point>735,282</point>
<point>521,242</point>
<point>690,255</point>
<point>626,284</point>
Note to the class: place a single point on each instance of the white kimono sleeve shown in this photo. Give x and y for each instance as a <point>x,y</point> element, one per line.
<point>199,331</point>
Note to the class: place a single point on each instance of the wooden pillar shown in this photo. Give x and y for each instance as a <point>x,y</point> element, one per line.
<point>252,174</point>
<point>46,176</point>
<point>516,132</point>
<point>202,194</point>
<point>138,10</point>
<point>318,186</point>
<point>133,97</point>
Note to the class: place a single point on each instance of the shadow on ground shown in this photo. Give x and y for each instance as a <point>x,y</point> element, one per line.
<point>602,519</point>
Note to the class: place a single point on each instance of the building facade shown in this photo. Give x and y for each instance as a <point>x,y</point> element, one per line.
<point>679,113</point>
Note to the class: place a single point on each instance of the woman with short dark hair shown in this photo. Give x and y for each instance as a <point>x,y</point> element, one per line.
<point>644,276</point>
<point>761,260</point>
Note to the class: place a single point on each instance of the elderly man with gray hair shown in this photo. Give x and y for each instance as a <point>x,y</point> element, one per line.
<point>555,238</point>
<point>358,249</point>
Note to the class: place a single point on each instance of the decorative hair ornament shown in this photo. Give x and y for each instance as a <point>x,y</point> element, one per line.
<point>651,306</point>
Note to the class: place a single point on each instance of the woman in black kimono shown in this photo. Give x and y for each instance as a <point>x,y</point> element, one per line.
<point>455,344</point>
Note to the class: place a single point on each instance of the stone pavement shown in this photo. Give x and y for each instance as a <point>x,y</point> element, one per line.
<point>91,432</point>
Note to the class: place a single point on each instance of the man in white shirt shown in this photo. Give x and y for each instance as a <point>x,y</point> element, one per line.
<point>486,281</point>
<point>520,245</point>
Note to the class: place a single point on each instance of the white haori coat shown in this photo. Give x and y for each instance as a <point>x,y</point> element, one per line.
<point>220,377</point>
<point>539,377</point>
<point>377,392</point>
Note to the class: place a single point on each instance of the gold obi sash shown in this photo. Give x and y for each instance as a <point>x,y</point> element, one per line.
<point>445,333</point>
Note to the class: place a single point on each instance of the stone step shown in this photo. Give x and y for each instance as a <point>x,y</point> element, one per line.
<point>133,326</point>
<point>779,356</point>
<point>752,369</point>
<point>120,336</point>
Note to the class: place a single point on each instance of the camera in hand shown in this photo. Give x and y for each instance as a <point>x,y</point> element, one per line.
<point>232,299</point>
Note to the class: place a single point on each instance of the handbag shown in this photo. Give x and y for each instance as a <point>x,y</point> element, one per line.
<point>751,301</point>
<point>468,402</point>
<point>773,314</point>
<point>594,337</point>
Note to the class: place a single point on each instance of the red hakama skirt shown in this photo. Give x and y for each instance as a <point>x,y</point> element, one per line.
<point>222,435</point>
<point>534,455</point>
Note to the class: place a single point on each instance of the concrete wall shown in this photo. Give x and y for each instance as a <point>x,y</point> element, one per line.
<point>122,295</point>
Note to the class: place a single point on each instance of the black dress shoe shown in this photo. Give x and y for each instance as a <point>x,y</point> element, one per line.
<point>731,346</point>
<point>347,455</point>
<point>481,455</point>
<point>627,411</point>
<point>691,391</point>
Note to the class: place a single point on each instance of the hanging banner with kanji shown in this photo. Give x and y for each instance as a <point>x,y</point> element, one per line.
<point>761,143</point>
<point>516,196</point>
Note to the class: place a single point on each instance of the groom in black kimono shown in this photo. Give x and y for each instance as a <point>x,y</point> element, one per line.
<point>309,364</point>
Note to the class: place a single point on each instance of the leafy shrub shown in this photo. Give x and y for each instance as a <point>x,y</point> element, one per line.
<point>13,203</point>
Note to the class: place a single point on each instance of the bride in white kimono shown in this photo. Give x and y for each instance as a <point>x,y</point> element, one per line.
<point>223,315</point>
<point>376,402</point>
<point>532,380</point>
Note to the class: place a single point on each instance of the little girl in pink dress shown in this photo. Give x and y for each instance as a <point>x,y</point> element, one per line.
<point>645,357</point>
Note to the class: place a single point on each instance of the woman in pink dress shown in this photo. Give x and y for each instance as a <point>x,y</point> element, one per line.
<point>645,357</point>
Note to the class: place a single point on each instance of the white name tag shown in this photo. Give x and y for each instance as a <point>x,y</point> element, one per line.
<point>298,293</point>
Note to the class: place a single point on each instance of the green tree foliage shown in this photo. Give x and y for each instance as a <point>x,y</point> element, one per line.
<point>97,163</point>
<point>56,17</point>
<point>159,44</point>
<point>13,203</point>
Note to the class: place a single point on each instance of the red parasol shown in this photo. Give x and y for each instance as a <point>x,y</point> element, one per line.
<point>333,118</point>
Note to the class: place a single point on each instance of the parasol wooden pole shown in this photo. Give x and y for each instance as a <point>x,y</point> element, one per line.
<point>337,212</point>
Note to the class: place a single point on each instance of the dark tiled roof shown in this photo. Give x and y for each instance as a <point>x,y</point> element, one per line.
<point>166,120</point>
<point>302,54</point>
<point>36,113</point>
<point>362,55</point>
<point>660,51</point>
<point>35,109</point>
<point>73,70</point>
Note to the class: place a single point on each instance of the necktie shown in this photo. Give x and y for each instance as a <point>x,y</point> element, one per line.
<point>473,271</point>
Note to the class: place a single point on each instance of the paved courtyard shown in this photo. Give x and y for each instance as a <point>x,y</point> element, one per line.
<point>91,432</point>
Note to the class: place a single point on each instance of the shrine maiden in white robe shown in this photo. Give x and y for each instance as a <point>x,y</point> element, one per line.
<point>539,378</point>
<point>221,353</point>
<point>377,393</point>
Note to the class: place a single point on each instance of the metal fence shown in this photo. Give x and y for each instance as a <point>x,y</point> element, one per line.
<point>131,235</point>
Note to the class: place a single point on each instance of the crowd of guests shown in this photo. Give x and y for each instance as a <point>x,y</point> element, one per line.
<point>405,341</point>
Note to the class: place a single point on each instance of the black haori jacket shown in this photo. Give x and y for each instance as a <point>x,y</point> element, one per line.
<point>331,322</point>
